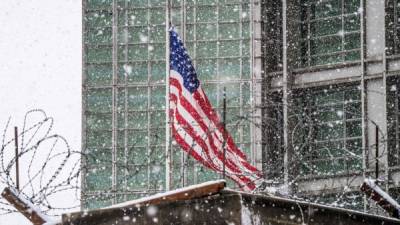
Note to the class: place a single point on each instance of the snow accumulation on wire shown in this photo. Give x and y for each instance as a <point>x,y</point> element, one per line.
<point>165,194</point>
<point>372,184</point>
<point>33,208</point>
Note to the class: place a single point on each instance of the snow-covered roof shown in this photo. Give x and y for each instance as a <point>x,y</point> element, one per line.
<point>221,206</point>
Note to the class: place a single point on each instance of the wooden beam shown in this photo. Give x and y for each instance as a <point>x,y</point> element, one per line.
<point>22,206</point>
<point>191,192</point>
<point>382,199</point>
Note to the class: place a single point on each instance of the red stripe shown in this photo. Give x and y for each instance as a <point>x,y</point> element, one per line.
<point>229,163</point>
<point>205,106</point>
<point>242,180</point>
<point>188,149</point>
<point>188,128</point>
<point>202,144</point>
<point>212,115</point>
<point>195,115</point>
<point>187,105</point>
<point>190,109</point>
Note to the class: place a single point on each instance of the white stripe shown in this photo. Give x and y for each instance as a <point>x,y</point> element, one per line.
<point>193,123</point>
<point>199,110</point>
<point>217,136</point>
<point>236,160</point>
<point>199,150</point>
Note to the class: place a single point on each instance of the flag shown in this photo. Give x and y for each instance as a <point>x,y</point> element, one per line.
<point>196,126</point>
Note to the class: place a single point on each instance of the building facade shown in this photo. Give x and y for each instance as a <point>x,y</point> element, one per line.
<point>306,114</point>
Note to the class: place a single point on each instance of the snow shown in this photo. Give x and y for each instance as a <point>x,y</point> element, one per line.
<point>372,184</point>
<point>249,218</point>
<point>53,223</point>
<point>161,195</point>
<point>33,208</point>
<point>246,216</point>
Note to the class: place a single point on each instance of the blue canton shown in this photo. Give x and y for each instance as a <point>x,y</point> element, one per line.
<point>181,63</point>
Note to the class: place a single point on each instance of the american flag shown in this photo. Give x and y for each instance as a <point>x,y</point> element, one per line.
<point>195,125</point>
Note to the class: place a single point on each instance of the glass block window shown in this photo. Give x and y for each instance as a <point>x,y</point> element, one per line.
<point>271,26</point>
<point>273,136</point>
<point>124,89</point>
<point>329,31</point>
<point>393,120</point>
<point>217,36</point>
<point>328,134</point>
<point>97,134</point>
<point>393,27</point>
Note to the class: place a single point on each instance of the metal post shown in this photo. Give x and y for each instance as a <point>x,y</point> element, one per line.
<point>224,126</point>
<point>288,173</point>
<point>167,117</point>
<point>16,157</point>
<point>385,145</point>
<point>114,123</point>
<point>363,84</point>
<point>376,152</point>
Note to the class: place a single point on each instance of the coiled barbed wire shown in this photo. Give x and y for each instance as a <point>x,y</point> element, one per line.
<point>49,166</point>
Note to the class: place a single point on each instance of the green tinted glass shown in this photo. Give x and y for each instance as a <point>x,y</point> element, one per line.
<point>99,121</point>
<point>98,74</point>
<point>98,4</point>
<point>99,19</point>
<point>229,31</point>
<point>137,98</point>
<point>98,178</point>
<point>137,177</point>
<point>229,68</point>
<point>157,98</point>
<point>98,54</point>
<point>98,35</point>
<point>99,100</point>
<point>206,14</point>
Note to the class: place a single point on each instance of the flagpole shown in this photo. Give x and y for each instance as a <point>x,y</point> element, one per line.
<point>167,106</point>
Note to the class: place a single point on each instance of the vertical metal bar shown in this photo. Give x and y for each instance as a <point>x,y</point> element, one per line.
<point>167,117</point>
<point>83,113</point>
<point>126,152</point>
<point>343,31</point>
<point>224,136</point>
<point>184,158</point>
<point>385,141</point>
<point>396,22</point>
<point>376,152</point>
<point>309,35</point>
<point>240,128</point>
<point>363,96</point>
<point>16,157</point>
<point>286,137</point>
<point>195,166</point>
<point>149,89</point>
<point>114,96</point>
<point>397,126</point>
<point>252,84</point>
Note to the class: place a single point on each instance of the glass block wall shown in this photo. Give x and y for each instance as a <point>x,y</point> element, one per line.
<point>329,31</point>
<point>217,35</point>
<point>327,134</point>
<point>393,120</point>
<point>124,90</point>
<point>393,27</point>
<point>328,130</point>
